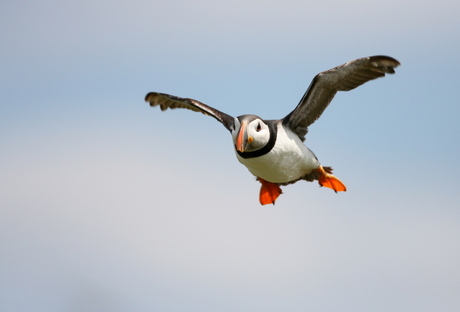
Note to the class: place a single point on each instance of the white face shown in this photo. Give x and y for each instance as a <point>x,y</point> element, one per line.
<point>254,137</point>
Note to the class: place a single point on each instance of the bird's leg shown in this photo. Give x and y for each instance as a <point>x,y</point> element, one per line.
<point>269,192</point>
<point>325,178</point>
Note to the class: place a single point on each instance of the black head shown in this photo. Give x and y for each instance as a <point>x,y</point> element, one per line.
<point>253,136</point>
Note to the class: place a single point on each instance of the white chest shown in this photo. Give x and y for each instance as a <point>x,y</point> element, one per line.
<point>288,160</point>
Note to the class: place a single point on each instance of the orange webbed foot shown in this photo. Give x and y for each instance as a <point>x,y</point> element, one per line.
<point>326,179</point>
<point>269,192</point>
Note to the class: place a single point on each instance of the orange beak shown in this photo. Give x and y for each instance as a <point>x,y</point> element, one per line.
<point>240,139</point>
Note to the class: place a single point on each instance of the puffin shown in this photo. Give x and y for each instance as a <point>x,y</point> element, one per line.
<point>274,150</point>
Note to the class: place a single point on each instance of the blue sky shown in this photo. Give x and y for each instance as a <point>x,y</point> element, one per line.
<point>107,204</point>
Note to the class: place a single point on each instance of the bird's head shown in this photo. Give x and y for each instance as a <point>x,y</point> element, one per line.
<point>250,133</point>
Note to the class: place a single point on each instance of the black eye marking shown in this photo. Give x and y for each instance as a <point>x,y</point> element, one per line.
<point>259,127</point>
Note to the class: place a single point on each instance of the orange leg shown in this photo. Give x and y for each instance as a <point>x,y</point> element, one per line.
<point>269,192</point>
<point>328,180</point>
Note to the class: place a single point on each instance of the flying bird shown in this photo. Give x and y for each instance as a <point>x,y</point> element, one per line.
<point>273,150</point>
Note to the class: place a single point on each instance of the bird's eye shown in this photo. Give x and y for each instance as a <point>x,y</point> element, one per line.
<point>259,127</point>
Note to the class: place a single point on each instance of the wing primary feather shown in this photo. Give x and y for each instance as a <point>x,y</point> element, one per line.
<point>165,101</point>
<point>325,85</point>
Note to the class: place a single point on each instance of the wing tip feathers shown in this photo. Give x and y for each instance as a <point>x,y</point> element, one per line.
<point>387,63</point>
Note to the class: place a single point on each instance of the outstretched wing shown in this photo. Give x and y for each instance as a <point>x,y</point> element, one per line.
<point>326,84</point>
<point>166,101</point>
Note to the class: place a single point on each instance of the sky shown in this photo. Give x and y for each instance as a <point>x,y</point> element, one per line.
<point>107,204</point>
